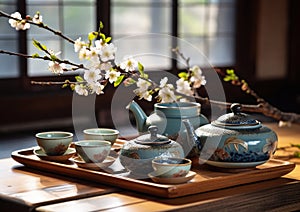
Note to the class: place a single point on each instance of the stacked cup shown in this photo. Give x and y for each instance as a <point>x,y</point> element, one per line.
<point>97,144</point>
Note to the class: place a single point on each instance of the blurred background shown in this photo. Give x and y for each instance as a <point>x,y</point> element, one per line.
<point>257,38</point>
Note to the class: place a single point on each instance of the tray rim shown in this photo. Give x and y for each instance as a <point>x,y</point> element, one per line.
<point>152,188</point>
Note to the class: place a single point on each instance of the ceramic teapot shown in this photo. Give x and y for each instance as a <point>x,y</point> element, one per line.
<point>234,140</point>
<point>168,117</point>
<point>136,155</point>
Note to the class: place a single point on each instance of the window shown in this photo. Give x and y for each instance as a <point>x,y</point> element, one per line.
<point>209,26</point>
<point>8,41</point>
<point>74,18</point>
<point>206,24</point>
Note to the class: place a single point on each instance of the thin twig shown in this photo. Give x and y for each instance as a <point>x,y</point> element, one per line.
<point>78,66</point>
<point>41,25</point>
<point>262,106</point>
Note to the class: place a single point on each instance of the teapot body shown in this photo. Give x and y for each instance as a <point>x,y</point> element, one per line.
<point>168,117</point>
<point>232,148</point>
<point>234,140</point>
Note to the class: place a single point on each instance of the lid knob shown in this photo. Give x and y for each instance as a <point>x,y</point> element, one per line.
<point>152,137</point>
<point>153,132</point>
<point>236,119</point>
<point>236,108</point>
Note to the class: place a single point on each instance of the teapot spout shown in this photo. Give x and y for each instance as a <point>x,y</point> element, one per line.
<point>191,135</point>
<point>139,115</point>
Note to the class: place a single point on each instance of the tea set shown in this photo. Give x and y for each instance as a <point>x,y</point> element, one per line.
<point>233,141</point>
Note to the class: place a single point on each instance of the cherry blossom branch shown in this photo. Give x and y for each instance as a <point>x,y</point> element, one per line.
<point>41,25</point>
<point>76,66</point>
<point>66,82</point>
<point>262,106</point>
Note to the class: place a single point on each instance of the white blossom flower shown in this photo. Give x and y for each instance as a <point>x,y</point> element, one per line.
<point>143,94</point>
<point>183,87</point>
<point>51,52</point>
<point>18,25</point>
<point>37,18</point>
<point>84,53</point>
<point>81,90</point>
<point>197,78</point>
<point>97,88</point>
<point>78,44</point>
<point>55,67</point>
<point>166,94</point>
<point>129,64</point>
<point>94,54</point>
<point>142,84</point>
<point>13,23</point>
<point>163,82</point>
<point>107,52</point>
<point>105,66</point>
<point>142,90</point>
<point>284,124</point>
<point>99,44</point>
<point>112,75</point>
<point>92,75</point>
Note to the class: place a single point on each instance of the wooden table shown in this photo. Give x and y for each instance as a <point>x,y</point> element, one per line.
<point>26,189</point>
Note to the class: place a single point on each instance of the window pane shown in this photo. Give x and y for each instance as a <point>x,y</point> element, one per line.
<point>152,50</point>
<point>130,18</point>
<point>8,42</point>
<point>209,26</point>
<point>74,18</point>
<point>79,20</point>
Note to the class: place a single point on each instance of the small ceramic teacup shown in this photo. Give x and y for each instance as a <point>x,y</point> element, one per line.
<point>54,142</point>
<point>93,151</point>
<point>105,134</point>
<point>171,167</point>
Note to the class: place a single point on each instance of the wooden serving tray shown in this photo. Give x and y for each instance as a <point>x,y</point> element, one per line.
<point>207,178</point>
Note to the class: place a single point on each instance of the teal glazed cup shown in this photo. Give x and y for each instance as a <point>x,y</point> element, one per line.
<point>93,151</point>
<point>54,143</point>
<point>171,167</point>
<point>105,134</point>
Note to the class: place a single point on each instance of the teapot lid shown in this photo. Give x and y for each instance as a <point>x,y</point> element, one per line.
<point>236,119</point>
<point>152,138</point>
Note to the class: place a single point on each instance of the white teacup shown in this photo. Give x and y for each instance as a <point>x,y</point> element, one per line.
<point>93,151</point>
<point>171,167</point>
<point>54,142</point>
<point>105,134</point>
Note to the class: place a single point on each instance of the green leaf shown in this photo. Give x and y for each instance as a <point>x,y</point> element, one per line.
<point>297,154</point>
<point>53,57</point>
<point>35,55</point>
<point>119,80</point>
<point>183,75</point>
<point>101,26</point>
<point>72,86</point>
<point>230,71</point>
<point>140,68</point>
<point>38,45</point>
<point>92,35</point>
<point>295,145</point>
<point>107,39</point>
<point>227,78</point>
<point>64,85</point>
<point>144,75</point>
<point>103,37</point>
<point>79,79</point>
